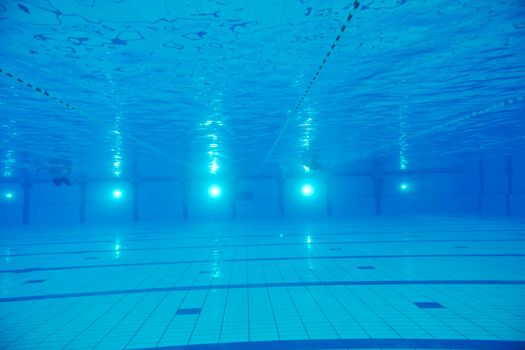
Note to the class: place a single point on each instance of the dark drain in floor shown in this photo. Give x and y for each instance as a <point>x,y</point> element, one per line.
<point>428,305</point>
<point>189,311</point>
<point>34,281</point>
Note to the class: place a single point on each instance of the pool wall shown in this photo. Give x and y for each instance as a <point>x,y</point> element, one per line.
<point>441,191</point>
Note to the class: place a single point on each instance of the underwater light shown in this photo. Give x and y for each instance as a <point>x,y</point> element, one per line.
<point>214,191</point>
<point>9,195</point>
<point>307,190</point>
<point>306,168</point>
<point>403,187</point>
<point>117,193</point>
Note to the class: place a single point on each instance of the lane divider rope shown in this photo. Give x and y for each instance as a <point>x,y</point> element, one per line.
<point>69,106</point>
<point>311,83</point>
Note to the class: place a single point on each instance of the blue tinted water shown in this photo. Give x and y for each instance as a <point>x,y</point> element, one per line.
<point>262,174</point>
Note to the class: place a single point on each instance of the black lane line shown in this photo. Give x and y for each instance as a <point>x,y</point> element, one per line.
<point>74,252</point>
<point>325,257</point>
<point>377,343</point>
<point>258,285</point>
<point>175,236</point>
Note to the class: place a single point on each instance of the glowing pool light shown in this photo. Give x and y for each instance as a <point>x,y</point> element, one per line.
<point>307,190</point>
<point>214,191</point>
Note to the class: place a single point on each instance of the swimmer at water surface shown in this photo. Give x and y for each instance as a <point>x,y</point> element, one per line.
<point>59,169</point>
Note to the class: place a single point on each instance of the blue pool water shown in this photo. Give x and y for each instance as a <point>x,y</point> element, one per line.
<point>295,174</point>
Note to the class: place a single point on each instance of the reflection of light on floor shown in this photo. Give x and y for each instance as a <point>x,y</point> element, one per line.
<point>117,250</point>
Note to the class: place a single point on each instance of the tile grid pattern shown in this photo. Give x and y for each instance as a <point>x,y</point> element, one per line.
<point>253,301</point>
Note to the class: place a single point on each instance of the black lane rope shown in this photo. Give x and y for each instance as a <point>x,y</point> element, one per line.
<point>323,63</point>
<point>314,78</point>
<point>37,89</point>
<point>69,106</point>
<point>452,122</point>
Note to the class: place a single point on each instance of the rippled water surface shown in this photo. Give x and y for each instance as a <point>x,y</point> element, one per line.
<point>165,87</point>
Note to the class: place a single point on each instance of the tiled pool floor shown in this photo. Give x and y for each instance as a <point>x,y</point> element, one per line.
<point>427,283</point>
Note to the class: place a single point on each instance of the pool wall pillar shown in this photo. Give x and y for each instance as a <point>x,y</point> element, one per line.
<point>508,195</point>
<point>83,200</point>
<point>481,192</point>
<point>280,193</point>
<point>135,209</point>
<point>233,199</point>
<point>185,198</point>
<point>26,186</point>
<point>329,209</point>
<point>378,195</point>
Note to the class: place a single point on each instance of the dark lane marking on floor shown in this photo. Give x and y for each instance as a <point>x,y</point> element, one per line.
<point>428,305</point>
<point>74,267</point>
<point>355,344</point>
<point>189,311</point>
<point>258,285</point>
<point>122,249</point>
<point>172,237</point>
<point>34,281</point>
<point>203,261</point>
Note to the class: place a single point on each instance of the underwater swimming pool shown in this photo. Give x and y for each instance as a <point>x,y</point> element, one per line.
<point>241,174</point>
